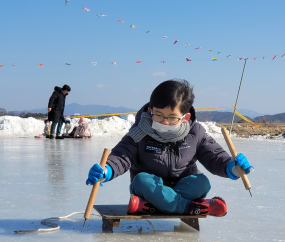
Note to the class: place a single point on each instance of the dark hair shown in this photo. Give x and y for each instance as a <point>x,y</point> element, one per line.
<point>66,87</point>
<point>171,93</point>
<point>46,121</point>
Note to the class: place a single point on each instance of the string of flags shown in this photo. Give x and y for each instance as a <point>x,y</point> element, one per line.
<point>164,37</point>
<point>139,62</point>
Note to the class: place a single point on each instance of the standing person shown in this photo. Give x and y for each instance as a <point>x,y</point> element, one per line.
<point>56,108</point>
<point>161,150</point>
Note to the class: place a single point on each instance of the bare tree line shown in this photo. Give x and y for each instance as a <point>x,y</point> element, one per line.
<point>3,112</point>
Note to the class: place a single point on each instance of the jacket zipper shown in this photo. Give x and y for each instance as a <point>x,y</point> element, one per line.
<point>169,159</point>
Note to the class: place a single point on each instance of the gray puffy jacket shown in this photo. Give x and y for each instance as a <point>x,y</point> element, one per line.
<point>170,161</point>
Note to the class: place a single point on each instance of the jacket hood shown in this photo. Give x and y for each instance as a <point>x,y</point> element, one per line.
<point>145,108</point>
<point>58,89</point>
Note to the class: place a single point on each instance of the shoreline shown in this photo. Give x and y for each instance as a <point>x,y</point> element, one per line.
<point>242,130</point>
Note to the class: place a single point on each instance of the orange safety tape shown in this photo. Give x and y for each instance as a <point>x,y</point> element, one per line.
<point>244,118</point>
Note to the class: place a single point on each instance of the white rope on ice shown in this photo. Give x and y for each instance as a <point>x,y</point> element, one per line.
<point>50,223</point>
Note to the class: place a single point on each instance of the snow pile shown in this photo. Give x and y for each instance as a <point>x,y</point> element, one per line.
<point>11,126</point>
<point>279,137</point>
<point>16,126</point>
<point>212,129</point>
<point>108,127</point>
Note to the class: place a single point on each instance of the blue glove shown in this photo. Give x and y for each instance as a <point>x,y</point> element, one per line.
<point>97,173</point>
<point>240,161</point>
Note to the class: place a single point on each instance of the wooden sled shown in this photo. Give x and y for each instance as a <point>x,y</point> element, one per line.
<point>112,215</point>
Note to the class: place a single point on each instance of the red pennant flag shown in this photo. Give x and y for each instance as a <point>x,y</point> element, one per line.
<point>87,9</point>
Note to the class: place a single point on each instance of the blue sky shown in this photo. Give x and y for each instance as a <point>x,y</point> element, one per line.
<point>37,31</point>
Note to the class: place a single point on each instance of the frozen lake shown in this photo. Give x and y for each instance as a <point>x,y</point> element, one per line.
<point>42,178</point>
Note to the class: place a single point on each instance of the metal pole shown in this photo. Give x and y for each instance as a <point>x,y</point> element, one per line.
<point>237,96</point>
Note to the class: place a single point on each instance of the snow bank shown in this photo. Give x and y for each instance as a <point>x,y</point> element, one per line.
<point>17,127</point>
<point>11,126</point>
<point>109,127</point>
<point>212,129</point>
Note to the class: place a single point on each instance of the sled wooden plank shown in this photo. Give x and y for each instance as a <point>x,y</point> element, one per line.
<point>112,214</point>
<point>120,212</point>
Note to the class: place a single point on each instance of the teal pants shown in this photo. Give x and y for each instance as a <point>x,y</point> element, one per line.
<point>166,199</point>
<point>59,126</point>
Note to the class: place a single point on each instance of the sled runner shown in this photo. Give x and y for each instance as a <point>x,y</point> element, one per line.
<point>113,214</point>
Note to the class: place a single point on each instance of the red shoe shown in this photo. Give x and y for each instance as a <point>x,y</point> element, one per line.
<point>215,207</point>
<point>138,205</point>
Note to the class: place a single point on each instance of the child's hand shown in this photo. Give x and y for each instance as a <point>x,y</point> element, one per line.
<point>243,163</point>
<point>97,173</point>
<point>240,161</point>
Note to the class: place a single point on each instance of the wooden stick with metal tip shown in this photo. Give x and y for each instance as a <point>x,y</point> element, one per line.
<point>95,187</point>
<point>234,154</point>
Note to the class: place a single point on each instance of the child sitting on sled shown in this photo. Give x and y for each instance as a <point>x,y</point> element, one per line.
<point>83,129</point>
<point>69,129</point>
<point>161,150</point>
<point>46,130</point>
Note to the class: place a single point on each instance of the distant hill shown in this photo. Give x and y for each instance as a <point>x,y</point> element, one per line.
<point>215,116</point>
<point>244,112</point>
<point>272,118</point>
<point>226,117</point>
<point>70,109</point>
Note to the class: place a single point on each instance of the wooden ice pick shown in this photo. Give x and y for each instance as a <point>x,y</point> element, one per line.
<point>234,154</point>
<point>95,188</point>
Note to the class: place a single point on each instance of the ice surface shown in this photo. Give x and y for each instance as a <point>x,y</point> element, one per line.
<point>42,178</point>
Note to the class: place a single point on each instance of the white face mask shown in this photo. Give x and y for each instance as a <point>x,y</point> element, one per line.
<point>164,128</point>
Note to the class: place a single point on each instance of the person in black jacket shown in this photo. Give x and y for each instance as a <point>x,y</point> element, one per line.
<point>161,150</point>
<point>56,108</point>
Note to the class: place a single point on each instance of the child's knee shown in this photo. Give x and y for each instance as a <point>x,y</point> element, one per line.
<point>142,178</point>
<point>204,184</point>
<point>144,181</point>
